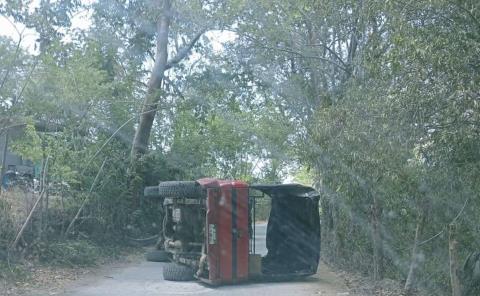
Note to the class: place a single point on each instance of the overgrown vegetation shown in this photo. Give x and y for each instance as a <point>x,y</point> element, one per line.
<point>384,97</point>
<point>376,103</point>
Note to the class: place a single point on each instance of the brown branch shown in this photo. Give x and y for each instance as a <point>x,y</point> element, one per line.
<point>333,53</point>
<point>185,51</point>
<point>300,55</point>
<point>27,221</point>
<point>40,126</point>
<point>110,138</point>
<point>86,199</point>
<point>4,129</point>
<point>445,227</point>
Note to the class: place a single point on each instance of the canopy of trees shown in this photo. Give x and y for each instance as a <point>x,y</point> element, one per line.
<point>375,103</point>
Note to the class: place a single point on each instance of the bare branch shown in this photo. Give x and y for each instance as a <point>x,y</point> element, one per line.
<point>15,56</point>
<point>2,130</point>
<point>300,55</point>
<point>27,80</point>
<point>85,200</point>
<point>333,53</point>
<point>185,51</point>
<point>13,25</point>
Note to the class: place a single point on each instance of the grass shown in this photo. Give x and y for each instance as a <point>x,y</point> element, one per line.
<point>12,272</point>
<point>68,253</point>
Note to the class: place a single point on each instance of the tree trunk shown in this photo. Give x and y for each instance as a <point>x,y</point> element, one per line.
<point>150,103</point>
<point>4,158</point>
<point>327,230</point>
<point>315,81</point>
<point>45,187</point>
<point>423,206</point>
<point>377,241</point>
<point>336,235</point>
<point>454,269</point>
<point>412,272</point>
<point>149,108</point>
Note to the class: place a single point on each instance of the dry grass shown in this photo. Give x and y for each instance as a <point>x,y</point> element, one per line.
<point>17,204</point>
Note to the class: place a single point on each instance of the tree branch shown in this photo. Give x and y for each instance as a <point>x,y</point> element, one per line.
<point>302,56</point>
<point>15,56</point>
<point>185,51</point>
<point>468,12</point>
<point>86,199</point>
<point>333,53</point>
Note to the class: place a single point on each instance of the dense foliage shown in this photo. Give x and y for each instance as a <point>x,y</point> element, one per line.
<point>375,103</point>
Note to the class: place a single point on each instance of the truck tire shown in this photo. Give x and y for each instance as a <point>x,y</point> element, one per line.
<point>177,272</point>
<point>157,256</point>
<point>179,189</point>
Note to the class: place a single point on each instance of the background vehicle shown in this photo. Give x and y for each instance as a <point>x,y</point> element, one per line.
<point>23,180</point>
<point>16,171</point>
<point>209,225</point>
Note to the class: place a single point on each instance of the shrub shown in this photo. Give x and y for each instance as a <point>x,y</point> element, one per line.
<point>69,252</point>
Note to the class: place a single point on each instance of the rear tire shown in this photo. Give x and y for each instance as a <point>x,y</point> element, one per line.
<point>179,189</point>
<point>177,272</point>
<point>157,256</point>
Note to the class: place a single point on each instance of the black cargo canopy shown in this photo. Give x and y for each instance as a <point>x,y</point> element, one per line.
<point>278,190</point>
<point>293,230</point>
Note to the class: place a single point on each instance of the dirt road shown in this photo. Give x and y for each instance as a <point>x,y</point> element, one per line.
<point>145,279</point>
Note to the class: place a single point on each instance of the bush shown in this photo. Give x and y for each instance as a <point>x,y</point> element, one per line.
<point>69,252</point>
<point>7,227</point>
<point>12,271</point>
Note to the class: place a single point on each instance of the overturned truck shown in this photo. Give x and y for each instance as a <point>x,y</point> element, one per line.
<point>208,231</point>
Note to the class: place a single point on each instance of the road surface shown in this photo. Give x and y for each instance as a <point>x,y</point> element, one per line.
<point>145,279</point>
